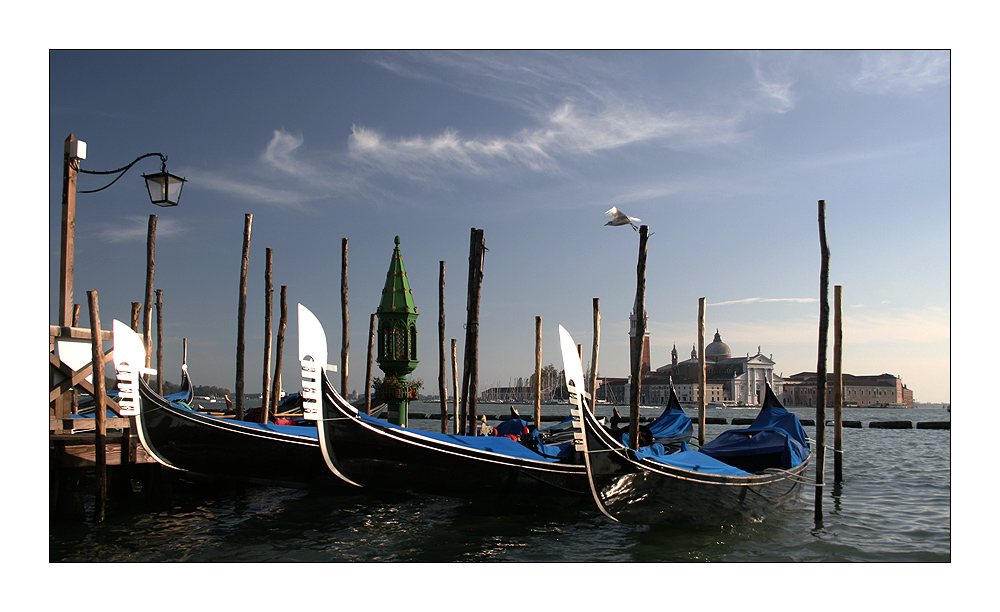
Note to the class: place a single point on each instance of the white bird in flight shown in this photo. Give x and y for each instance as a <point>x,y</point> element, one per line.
<point>620,218</point>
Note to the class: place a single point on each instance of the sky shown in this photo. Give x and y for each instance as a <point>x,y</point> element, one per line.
<point>723,155</point>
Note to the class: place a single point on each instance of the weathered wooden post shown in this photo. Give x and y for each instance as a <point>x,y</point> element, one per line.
<point>701,371</point>
<point>635,388</point>
<point>265,396</point>
<point>282,324</point>
<point>159,341</point>
<point>593,357</point>
<point>471,372</point>
<point>368,371</point>
<point>454,383</point>
<point>824,324</point>
<point>71,167</point>
<point>100,450</point>
<point>74,405</point>
<point>442,374</point>
<point>241,317</point>
<point>136,309</point>
<point>838,385</point>
<point>150,271</point>
<point>538,373</point>
<point>345,343</point>
<point>397,339</point>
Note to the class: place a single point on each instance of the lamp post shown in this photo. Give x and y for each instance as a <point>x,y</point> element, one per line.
<point>164,190</point>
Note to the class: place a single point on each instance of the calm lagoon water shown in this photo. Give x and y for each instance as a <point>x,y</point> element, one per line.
<point>893,506</point>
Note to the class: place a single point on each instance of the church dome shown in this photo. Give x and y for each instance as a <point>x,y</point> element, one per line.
<point>718,349</point>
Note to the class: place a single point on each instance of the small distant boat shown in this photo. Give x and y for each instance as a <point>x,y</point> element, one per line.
<point>184,439</point>
<point>741,476</point>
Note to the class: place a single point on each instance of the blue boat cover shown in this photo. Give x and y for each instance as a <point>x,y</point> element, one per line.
<point>673,424</point>
<point>512,427</point>
<point>692,460</point>
<point>775,430</point>
<point>500,445</point>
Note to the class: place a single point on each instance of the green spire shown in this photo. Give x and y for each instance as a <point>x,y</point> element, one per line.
<point>397,339</point>
<point>397,298</point>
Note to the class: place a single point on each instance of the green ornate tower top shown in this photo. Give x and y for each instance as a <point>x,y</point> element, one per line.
<point>397,297</point>
<point>397,339</point>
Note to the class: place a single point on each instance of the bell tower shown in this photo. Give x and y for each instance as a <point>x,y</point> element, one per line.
<point>644,367</point>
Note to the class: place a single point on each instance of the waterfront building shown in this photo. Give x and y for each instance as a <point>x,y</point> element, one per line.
<point>877,391</point>
<point>731,380</point>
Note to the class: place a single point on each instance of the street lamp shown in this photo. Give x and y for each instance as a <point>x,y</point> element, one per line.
<point>164,190</point>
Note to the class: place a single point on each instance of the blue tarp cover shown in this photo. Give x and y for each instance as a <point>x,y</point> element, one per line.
<point>775,430</point>
<point>494,444</point>
<point>673,424</point>
<point>512,427</point>
<point>694,461</point>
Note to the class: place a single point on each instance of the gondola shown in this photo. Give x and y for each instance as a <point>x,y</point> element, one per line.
<point>740,477</point>
<point>184,439</point>
<point>378,455</point>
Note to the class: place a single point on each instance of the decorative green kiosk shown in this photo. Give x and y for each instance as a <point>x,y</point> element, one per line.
<point>397,341</point>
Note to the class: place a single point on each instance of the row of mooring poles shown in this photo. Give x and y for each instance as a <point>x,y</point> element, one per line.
<point>270,387</point>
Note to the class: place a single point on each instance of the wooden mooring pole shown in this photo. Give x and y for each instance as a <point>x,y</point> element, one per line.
<point>150,271</point>
<point>538,373</point>
<point>442,357</point>
<point>241,316</point>
<point>701,371</point>
<point>368,370</point>
<point>345,338</point>
<point>471,370</point>
<point>159,341</point>
<point>265,386</point>
<point>635,389</point>
<point>595,352</point>
<point>454,383</point>
<point>838,384</point>
<point>824,323</point>
<point>100,448</point>
<point>282,324</point>
<point>136,309</point>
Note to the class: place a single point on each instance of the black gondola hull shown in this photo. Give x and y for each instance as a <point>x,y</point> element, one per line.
<point>644,491</point>
<point>195,442</point>
<point>399,460</point>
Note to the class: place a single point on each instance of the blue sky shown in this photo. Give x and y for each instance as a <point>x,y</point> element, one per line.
<point>723,154</point>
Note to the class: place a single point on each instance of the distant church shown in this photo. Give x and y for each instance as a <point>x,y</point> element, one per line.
<point>730,380</point>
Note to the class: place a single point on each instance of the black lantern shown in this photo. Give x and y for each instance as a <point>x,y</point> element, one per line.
<point>164,188</point>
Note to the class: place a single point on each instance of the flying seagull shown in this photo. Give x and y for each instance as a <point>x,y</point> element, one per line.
<point>620,218</point>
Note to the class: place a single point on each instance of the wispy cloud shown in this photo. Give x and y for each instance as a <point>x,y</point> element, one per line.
<point>568,131</point>
<point>249,188</point>
<point>902,71</point>
<point>135,228</point>
<point>774,81</point>
<point>280,154</point>
<point>756,300</point>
